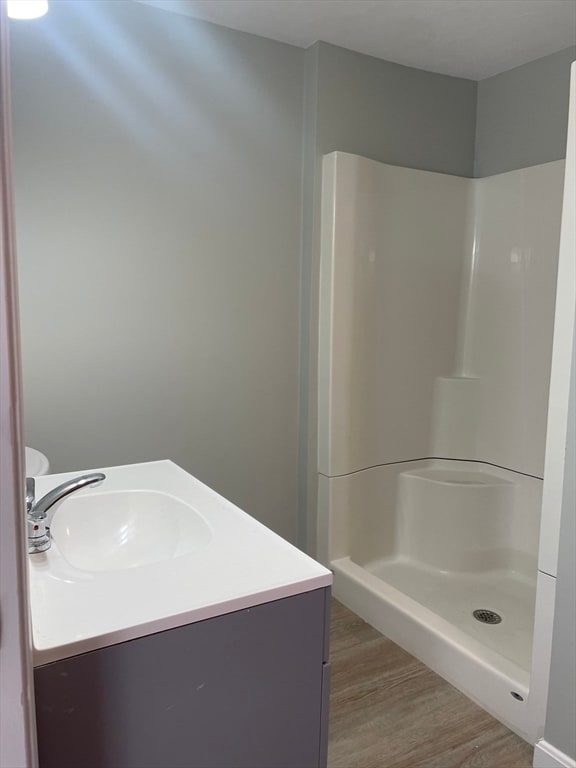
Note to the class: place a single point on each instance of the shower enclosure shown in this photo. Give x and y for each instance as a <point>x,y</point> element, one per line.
<point>436,322</point>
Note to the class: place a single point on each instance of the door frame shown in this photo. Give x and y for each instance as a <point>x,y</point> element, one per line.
<point>17,719</point>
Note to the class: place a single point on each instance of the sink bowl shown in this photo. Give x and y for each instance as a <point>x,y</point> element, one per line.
<point>111,531</point>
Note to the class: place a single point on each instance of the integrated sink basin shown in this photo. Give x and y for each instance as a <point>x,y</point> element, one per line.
<point>150,549</point>
<point>110,531</point>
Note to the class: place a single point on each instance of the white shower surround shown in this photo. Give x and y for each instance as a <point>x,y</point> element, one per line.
<point>436,321</point>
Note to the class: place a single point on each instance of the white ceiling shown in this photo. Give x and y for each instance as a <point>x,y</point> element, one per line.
<point>465,38</point>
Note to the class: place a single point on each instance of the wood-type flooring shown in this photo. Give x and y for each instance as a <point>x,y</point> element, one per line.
<point>388,710</point>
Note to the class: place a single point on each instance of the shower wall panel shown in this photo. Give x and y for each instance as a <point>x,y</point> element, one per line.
<point>508,339</point>
<point>392,252</point>
<point>436,314</point>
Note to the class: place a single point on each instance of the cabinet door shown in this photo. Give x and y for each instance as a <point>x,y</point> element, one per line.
<point>243,690</point>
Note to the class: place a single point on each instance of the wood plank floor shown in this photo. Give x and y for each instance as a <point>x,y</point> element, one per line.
<point>388,710</point>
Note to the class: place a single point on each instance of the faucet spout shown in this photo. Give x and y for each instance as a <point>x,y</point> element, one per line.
<point>39,539</point>
<point>40,508</point>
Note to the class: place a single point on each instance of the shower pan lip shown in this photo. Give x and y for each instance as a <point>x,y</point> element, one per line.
<point>470,665</point>
<point>452,596</point>
<point>440,625</point>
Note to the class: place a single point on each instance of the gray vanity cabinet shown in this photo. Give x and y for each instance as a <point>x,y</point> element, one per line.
<point>248,689</point>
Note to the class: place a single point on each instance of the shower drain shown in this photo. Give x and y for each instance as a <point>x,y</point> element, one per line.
<point>486,616</point>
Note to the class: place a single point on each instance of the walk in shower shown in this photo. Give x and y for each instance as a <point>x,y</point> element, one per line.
<point>436,321</point>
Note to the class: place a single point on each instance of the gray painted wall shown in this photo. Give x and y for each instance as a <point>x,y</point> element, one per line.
<point>561,715</point>
<point>309,297</point>
<point>387,112</point>
<point>523,115</point>
<point>158,193</point>
<point>394,114</point>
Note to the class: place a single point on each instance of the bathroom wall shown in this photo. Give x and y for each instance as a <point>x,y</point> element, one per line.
<point>393,241</point>
<point>522,115</point>
<point>508,321</point>
<point>437,304</point>
<point>394,114</point>
<point>158,212</point>
<point>191,184</point>
<point>496,138</point>
<point>386,112</point>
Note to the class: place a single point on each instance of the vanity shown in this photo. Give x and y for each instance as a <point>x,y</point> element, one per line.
<point>171,629</point>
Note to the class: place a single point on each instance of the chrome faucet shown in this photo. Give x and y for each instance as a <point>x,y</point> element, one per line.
<point>39,539</point>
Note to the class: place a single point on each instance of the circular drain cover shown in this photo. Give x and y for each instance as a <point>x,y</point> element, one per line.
<point>486,616</point>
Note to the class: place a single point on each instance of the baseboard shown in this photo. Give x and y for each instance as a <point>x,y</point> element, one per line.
<point>547,756</point>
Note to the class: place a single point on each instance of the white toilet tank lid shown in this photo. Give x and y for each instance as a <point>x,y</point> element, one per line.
<point>36,463</point>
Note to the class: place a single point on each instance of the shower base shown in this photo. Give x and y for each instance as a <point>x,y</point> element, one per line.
<point>454,597</point>
<point>428,612</point>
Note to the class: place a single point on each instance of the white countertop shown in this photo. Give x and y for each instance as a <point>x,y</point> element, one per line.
<point>243,565</point>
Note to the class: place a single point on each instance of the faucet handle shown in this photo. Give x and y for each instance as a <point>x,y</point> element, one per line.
<point>30,493</point>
